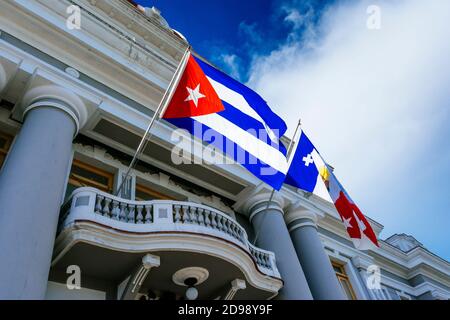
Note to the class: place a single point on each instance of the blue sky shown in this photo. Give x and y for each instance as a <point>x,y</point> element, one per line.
<point>374,102</point>
<point>233,28</point>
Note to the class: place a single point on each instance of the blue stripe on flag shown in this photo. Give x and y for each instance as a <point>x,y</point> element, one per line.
<point>249,124</point>
<point>233,150</point>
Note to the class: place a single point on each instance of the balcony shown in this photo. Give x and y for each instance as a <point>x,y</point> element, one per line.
<point>97,229</point>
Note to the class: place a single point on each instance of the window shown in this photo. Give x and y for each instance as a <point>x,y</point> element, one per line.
<point>5,143</point>
<point>344,281</point>
<point>144,193</point>
<point>85,175</point>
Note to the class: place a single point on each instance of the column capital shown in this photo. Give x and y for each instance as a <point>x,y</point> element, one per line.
<point>302,214</point>
<point>249,199</point>
<point>57,97</point>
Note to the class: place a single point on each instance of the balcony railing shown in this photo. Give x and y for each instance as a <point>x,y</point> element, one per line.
<point>89,204</point>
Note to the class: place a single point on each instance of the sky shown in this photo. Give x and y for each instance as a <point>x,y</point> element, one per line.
<point>371,85</point>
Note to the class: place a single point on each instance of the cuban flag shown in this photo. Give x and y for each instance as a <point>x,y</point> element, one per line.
<point>309,172</point>
<point>231,117</point>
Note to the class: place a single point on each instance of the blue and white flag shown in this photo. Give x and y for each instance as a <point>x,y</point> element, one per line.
<point>247,130</point>
<point>304,168</point>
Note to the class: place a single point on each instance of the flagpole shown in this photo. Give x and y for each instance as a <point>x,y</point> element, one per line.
<point>157,115</point>
<point>289,151</point>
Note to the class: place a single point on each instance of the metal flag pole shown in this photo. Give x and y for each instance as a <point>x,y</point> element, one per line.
<point>163,104</point>
<point>289,151</point>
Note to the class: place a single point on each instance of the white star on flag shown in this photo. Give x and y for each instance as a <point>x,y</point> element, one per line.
<point>194,95</point>
<point>347,223</point>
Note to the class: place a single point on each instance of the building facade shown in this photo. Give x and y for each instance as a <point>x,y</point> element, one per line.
<point>75,102</point>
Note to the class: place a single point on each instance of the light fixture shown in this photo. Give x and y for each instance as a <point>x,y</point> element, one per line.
<point>191,292</point>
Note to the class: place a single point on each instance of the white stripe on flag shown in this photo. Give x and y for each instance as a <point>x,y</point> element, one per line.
<point>320,189</point>
<point>259,149</point>
<point>239,102</point>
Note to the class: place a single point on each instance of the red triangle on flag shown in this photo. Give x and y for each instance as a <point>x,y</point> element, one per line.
<point>194,95</point>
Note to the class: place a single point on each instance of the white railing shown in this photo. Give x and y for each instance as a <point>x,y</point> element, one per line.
<point>161,215</point>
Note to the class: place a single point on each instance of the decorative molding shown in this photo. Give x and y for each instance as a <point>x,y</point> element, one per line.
<point>142,25</point>
<point>199,273</point>
<point>72,72</point>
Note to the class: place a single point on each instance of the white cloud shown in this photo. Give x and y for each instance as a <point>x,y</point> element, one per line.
<point>372,101</point>
<point>300,21</point>
<point>249,31</point>
<point>230,62</point>
<point>298,16</point>
<point>295,18</point>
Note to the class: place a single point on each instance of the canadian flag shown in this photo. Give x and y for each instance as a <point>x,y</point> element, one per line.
<point>193,95</point>
<point>358,228</point>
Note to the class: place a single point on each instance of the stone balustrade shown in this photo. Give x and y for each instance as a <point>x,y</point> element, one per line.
<point>89,204</point>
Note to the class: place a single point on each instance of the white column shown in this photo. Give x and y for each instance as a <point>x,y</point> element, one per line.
<point>31,190</point>
<point>273,235</point>
<point>322,280</point>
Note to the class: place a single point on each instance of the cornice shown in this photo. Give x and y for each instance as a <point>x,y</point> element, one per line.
<point>361,262</point>
<point>138,23</point>
<point>402,265</point>
<point>414,257</point>
<point>96,50</point>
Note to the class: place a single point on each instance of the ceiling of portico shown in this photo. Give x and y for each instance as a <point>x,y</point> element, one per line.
<point>114,266</point>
